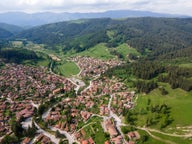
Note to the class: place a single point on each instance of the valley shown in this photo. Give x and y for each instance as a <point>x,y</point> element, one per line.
<point>105,82</point>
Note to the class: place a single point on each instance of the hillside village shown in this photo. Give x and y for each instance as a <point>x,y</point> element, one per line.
<point>118,80</point>
<point>24,88</point>
<point>92,67</point>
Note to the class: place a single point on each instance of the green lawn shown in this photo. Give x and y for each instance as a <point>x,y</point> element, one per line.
<point>66,68</point>
<point>98,51</point>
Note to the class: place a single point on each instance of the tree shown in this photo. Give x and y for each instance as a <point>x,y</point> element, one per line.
<point>31,131</point>
<point>17,129</point>
<point>9,139</point>
<point>41,109</point>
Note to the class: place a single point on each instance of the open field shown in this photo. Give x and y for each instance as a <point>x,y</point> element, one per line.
<point>125,50</point>
<point>149,140</point>
<point>94,130</point>
<point>178,100</point>
<point>98,51</point>
<point>176,140</point>
<point>66,68</point>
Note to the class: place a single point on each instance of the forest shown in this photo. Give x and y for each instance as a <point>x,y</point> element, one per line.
<point>18,55</point>
<point>146,75</point>
<point>154,37</point>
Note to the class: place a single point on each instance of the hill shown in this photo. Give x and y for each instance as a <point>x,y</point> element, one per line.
<point>11,28</point>
<point>157,37</point>
<point>4,33</point>
<point>35,19</point>
<point>7,30</point>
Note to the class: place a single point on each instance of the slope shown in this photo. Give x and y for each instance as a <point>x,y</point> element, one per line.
<point>159,36</point>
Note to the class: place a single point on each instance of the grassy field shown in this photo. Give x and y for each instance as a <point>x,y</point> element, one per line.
<point>125,50</point>
<point>177,140</point>
<point>186,65</point>
<point>98,51</point>
<point>179,101</point>
<point>150,140</point>
<point>66,68</point>
<point>95,130</point>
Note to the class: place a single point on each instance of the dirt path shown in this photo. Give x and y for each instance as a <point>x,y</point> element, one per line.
<point>155,137</point>
<point>168,134</point>
<point>85,126</point>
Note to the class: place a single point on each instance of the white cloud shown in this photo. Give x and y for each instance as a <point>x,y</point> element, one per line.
<point>166,6</point>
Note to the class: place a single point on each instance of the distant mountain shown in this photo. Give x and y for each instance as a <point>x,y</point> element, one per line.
<point>11,28</point>
<point>24,19</point>
<point>5,34</point>
<point>7,30</point>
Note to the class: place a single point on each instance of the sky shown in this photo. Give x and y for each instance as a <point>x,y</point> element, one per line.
<point>183,7</point>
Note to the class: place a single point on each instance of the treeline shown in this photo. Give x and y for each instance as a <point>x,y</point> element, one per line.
<point>178,77</point>
<point>80,44</point>
<point>4,43</point>
<point>4,34</point>
<point>185,52</point>
<point>146,75</point>
<point>147,69</point>
<point>18,55</point>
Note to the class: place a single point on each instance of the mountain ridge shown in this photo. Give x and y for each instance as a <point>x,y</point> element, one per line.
<point>35,19</point>
<point>159,35</point>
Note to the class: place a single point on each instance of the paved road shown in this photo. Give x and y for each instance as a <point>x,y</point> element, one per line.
<point>27,123</point>
<point>70,137</point>
<point>51,136</point>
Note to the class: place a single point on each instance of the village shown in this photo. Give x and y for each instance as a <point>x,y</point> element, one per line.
<point>91,67</point>
<point>24,88</point>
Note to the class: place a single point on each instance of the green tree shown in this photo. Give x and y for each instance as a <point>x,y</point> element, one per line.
<point>17,129</point>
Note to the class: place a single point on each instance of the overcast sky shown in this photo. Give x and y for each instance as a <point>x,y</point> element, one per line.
<point>163,6</point>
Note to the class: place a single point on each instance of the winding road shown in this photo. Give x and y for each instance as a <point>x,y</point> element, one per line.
<point>70,137</point>
<point>51,136</point>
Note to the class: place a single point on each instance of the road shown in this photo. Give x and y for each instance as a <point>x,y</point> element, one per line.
<point>27,123</point>
<point>70,137</point>
<point>118,122</point>
<point>34,105</point>
<point>51,136</point>
<point>77,82</point>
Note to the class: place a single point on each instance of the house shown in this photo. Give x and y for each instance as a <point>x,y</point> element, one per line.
<point>134,135</point>
<point>26,141</point>
<point>112,131</point>
<point>85,142</point>
<point>91,141</point>
<point>107,142</point>
<point>85,115</point>
<point>111,128</point>
<point>117,140</point>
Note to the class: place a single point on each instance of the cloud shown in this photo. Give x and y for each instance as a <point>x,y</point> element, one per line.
<point>166,6</point>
